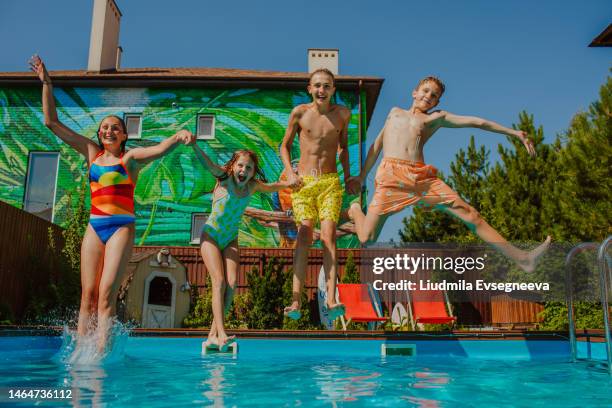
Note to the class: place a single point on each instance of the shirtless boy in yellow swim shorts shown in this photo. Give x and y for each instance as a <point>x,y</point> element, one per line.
<point>403,179</point>
<point>323,132</point>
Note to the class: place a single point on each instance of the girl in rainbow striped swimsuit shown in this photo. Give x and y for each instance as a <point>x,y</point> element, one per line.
<point>237,181</point>
<point>109,237</point>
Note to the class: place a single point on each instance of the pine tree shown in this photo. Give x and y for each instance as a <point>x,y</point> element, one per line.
<point>266,296</point>
<point>521,197</point>
<point>351,273</point>
<point>586,171</point>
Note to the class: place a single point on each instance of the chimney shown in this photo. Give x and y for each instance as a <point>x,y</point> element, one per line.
<point>119,53</point>
<point>104,41</point>
<point>323,58</point>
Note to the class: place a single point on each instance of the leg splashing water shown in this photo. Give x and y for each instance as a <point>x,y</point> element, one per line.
<point>104,344</point>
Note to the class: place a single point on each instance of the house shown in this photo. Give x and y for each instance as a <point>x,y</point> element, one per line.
<point>604,39</point>
<point>228,109</point>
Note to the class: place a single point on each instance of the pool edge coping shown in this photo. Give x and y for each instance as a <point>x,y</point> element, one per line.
<point>591,335</point>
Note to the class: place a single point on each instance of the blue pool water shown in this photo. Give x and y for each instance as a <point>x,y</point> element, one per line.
<point>171,372</point>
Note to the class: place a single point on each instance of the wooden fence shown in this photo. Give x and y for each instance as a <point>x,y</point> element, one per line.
<point>25,259</point>
<point>254,258</point>
<point>472,307</point>
<point>515,310</point>
<point>25,262</point>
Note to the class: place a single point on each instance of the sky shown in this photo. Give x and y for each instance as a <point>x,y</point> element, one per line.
<point>496,58</point>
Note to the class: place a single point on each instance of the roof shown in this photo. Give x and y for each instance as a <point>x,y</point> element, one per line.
<point>604,39</point>
<point>139,256</point>
<point>194,77</point>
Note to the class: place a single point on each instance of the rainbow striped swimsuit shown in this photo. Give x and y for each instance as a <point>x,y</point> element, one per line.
<point>112,198</point>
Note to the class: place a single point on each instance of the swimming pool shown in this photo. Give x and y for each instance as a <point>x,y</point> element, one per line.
<point>160,372</point>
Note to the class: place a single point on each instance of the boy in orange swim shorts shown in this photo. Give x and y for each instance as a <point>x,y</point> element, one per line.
<point>400,183</point>
<point>403,179</point>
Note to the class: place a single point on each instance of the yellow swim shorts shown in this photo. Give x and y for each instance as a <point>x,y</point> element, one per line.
<point>319,199</point>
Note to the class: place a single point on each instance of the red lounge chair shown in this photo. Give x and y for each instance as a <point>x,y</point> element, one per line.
<point>429,306</point>
<point>360,302</point>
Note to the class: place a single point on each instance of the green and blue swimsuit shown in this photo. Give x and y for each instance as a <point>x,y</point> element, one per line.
<point>224,220</point>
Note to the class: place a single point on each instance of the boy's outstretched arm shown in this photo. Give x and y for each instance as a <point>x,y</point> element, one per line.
<point>203,158</point>
<point>78,142</point>
<point>450,120</point>
<point>352,185</point>
<point>285,147</point>
<point>143,155</point>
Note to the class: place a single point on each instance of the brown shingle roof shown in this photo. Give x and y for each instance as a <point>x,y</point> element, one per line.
<point>226,73</point>
<point>194,77</point>
<point>139,256</point>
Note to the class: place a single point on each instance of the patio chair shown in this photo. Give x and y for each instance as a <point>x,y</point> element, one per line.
<point>429,307</point>
<point>361,303</point>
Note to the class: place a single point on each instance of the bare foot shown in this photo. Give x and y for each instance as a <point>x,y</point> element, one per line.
<point>101,349</point>
<point>224,341</point>
<point>350,210</point>
<point>211,341</point>
<point>293,311</point>
<point>347,213</point>
<point>335,310</point>
<point>104,341</point>
<point>530,262</point>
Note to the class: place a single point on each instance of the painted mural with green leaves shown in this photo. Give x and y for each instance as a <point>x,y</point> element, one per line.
<point>169,190</point>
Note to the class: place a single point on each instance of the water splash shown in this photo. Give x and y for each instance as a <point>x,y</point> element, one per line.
<point>87,350</point>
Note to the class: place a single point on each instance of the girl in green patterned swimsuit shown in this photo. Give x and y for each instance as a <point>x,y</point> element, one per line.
<point>237,181</point>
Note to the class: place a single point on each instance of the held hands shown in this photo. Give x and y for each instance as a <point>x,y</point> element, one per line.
<point>185,137</point>
<point>522,136</point>
<point>285,184</point>
<point>353,185</point>
<point>38,67</point>
<point>294,181</point>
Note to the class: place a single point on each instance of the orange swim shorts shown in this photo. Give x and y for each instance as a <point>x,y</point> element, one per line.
<point>400,183</point>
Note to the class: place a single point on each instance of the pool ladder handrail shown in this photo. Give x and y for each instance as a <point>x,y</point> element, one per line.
<point>569,294</point>
<point>605,278</point>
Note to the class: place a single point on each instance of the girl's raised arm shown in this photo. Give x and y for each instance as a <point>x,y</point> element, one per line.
<point>203,158</point>
<point>80,143</point>
<point>272,187</point>
<point>144,155</point>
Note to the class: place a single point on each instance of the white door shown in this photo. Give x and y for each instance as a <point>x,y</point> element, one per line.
<point>159,301</point>
<point>158,317</point>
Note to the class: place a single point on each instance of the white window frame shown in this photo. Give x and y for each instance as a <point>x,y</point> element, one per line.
<point>212,126</point>
<point>128,116</point>
<point>196,240</point>
<point>27,181</point>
